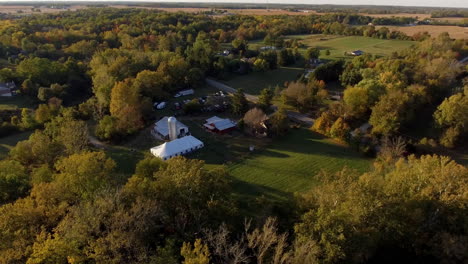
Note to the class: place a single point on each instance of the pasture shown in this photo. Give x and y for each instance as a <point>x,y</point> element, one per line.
<point>338,45</point>
<point>254,82</point>
<point>290,164</point>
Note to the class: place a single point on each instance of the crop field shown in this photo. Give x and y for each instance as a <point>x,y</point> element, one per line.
<point>291,164</point>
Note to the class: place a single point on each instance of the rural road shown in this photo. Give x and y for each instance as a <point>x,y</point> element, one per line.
<point>253,98</point>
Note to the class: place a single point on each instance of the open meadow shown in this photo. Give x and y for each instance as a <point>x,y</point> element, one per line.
<point>290,164</point>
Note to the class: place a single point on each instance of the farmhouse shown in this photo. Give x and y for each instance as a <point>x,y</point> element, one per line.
<point>219,125</point>
<point>161,129</point>
<point>357,53</point>
<point>7,89</point>
<point>177,147</point>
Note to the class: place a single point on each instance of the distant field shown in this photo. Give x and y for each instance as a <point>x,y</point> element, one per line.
<point>338,45</point>
<point>290,164</point>
<point>454,31</point>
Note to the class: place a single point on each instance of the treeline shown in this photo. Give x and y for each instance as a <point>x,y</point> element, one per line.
<point>400,94</point>
<point>449,13</point>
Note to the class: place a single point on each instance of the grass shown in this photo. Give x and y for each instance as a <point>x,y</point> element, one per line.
<point>291,164</point>
<point>338,45</point>
<point>254,82</point>
<point>8,142</point>
<point>15,102</point>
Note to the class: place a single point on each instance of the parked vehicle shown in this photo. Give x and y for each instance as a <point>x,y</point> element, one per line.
<point>161,105</point>
<point>155,104</point>
<point>184,93</point>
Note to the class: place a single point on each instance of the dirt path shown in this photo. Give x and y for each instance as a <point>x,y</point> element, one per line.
<point>96,142</point>
<point>228,89</point>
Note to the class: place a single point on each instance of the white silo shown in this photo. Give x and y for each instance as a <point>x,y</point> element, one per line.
<point>172,123</point>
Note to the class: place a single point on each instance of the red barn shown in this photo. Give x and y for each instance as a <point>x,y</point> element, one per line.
<point>220,125</point>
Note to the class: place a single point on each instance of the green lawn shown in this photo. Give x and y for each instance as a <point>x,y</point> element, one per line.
<point>254,82</point>
<point>292,163</point>
<point>338,45</point>
<point>15,102</point>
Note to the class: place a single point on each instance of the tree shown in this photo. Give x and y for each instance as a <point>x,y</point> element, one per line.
<point>350,214</point>
<point>356,100</point>
<point>239,102</point>
<point>254,120</point>
<point>199,254</point>
<point>74,136</point>
<point>312,53</point>
<point>327,52</point>
<point>202,51</point>
<point>390,113</point>
<point>125,106</point>
<point>107,128</point>
<point>452,115</point>
<point>305,96</point>
<point>85,173</point>
<point>339,129</point>
<point>14,181</point>
<point>265,98</point>
<point>279,122</point>
<point>261,65</point>
<point>27,119</point>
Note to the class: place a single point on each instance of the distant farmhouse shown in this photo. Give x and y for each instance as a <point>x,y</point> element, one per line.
<point>161,129</point>
<point>219,125</point>
<point>357,53</point>
<point>8,89</point>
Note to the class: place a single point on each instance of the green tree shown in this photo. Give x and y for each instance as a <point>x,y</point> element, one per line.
<point>312,53</point>
<point>452,116</point>
<point>265,98</point>
<point>14,181</point>
<point>74,136</point>
<point>27,119</point>
<point>85,173</point>
<point>239,102</point>
<point>279,123</point>
<point>390,113</point>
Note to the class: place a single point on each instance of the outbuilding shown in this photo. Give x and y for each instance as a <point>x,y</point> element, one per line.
<point>219,125</point>
<point>177,147</point>
<point>161,129</point>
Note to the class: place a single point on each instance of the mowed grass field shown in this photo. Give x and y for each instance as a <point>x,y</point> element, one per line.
<point>254,82</point>
<point>292,163</point>
<point>338,45</point>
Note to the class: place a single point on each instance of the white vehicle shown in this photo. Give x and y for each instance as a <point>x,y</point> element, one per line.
<point>161,105</point>
<point>184,92</point>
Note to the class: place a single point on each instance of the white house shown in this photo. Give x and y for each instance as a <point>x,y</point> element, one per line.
<point>177,147</point>
<point>161,129</point>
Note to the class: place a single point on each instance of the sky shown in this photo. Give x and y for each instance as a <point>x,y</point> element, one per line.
<point>437,3</point>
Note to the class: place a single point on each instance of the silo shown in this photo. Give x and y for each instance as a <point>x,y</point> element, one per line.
<point>172,124</point>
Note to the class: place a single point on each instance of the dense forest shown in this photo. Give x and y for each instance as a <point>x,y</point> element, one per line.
<point>62,200</point>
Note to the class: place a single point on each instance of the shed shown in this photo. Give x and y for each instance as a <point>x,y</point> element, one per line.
<point>177,147</point>
<point>219,125</point>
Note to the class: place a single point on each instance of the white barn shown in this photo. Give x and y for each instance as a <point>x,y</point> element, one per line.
<point>161,129</point>
<point>177,147</point>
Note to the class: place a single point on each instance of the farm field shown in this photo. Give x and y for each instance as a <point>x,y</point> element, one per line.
<point>291,164</point>
<point>454,31</point>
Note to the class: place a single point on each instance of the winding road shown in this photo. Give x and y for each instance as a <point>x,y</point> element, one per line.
<point>253,98</point>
